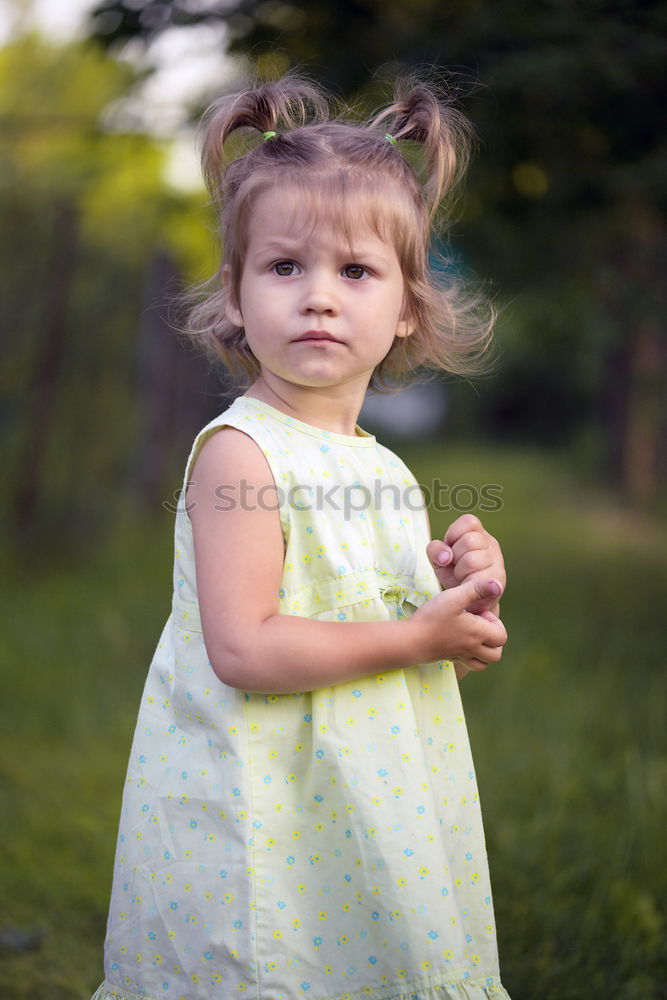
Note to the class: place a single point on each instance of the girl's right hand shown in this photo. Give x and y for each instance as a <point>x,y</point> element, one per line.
<point>449,631</point>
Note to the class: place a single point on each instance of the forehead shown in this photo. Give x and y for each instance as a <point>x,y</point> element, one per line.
<point>300,212</point>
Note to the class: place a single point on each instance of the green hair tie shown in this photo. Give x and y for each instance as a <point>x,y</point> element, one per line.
<point>389,137</point>
<point>268,135</point>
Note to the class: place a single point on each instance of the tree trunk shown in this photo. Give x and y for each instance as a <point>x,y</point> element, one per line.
<point>646,409</point>
<point>39,423</point>
<point>177,392</point>
<point>636,377</point>
<point>645,417</point>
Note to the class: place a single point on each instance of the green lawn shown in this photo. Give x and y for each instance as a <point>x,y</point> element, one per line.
<point>568,733</point>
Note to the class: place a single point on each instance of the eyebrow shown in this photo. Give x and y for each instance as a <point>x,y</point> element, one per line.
<point>280,245</point>
<point>292,245</point>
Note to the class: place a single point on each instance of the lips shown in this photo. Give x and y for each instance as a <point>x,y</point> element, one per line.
<point>312,335</point>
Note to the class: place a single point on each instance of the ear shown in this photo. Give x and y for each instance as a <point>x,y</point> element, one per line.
<point>406,324</point>
<point>404,328</point>
<point>232,311</point>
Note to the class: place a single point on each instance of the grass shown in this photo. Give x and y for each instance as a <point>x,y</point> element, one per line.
<point>569,739</point>
<point>568,734</point>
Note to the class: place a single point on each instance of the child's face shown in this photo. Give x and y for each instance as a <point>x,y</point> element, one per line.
<point>316,312</point>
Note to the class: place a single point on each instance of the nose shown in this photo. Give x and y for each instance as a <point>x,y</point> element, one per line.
<point>320,297</point>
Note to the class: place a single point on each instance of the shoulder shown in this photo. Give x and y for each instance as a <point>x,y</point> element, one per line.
<point>230,441</point>
<point>232,492</point>
<point>229,466</point>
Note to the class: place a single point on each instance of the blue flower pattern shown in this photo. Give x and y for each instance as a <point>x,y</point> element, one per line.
<point>336,835</point>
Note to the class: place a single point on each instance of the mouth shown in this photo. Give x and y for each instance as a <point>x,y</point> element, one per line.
<point>317,336</point>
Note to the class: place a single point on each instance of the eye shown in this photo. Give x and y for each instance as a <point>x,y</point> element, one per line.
<point>354,271</point>
<point>284,268</point>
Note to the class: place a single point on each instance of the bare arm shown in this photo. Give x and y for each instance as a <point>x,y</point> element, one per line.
<point>239,560</point>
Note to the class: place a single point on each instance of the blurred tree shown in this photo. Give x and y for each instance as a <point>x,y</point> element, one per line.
<point>565,209</point>
<point>49,354</point>
<point>85,210</point>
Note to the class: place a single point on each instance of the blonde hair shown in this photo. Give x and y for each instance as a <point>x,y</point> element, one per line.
<point>335,164</point>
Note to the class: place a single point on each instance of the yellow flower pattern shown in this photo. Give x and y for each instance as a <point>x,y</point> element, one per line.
<point>321,845</point>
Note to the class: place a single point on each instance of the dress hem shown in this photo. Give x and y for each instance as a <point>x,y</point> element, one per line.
<point>488,988</point>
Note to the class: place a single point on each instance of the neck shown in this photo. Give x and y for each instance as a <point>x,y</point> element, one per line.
<point>334,409</point>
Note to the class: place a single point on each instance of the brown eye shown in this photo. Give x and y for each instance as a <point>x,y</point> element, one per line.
<point>354,271</point>
<point>284,268</point>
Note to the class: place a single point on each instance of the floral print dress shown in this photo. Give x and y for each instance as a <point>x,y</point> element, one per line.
<point>318,845</point>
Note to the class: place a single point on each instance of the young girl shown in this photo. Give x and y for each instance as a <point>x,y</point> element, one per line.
<point>301,816</point>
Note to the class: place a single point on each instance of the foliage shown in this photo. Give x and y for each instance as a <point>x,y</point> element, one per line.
<point>85,210</point>
<point>57,108</point>
<point>567,731</point>
<point>565,206</point>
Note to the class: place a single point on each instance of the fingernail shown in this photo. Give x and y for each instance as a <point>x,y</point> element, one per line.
<point>444,557</point>
<point>494,588</point>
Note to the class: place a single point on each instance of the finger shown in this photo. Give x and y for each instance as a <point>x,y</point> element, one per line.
<point>469,541</point>
<point>442,560</point>
<point>478,549</point>
<point>482,660</point>
<point>484,609</point>
<point>486,590</point>
<point>492,652</point>
<point>467,522</point>
<point>479,562</point>
<point>492,638</point>
<point>490,616</point>
<point>475,664</point>
<point>439,553</point>
<point>477,597</point>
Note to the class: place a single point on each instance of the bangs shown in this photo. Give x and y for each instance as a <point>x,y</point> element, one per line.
<point>344,202</point>
<point>349,201</point>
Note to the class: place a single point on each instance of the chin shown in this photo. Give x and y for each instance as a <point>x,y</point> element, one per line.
<point>317,377</point>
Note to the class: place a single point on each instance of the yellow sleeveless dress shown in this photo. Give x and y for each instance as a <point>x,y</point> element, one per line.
<point>318,845</point>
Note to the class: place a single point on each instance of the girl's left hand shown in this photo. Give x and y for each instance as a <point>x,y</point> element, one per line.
<point>467,552</point>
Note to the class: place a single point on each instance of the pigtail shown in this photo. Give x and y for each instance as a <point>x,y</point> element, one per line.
<point>276,106</point>
<point>346,171</point>
<point>418,115</point>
